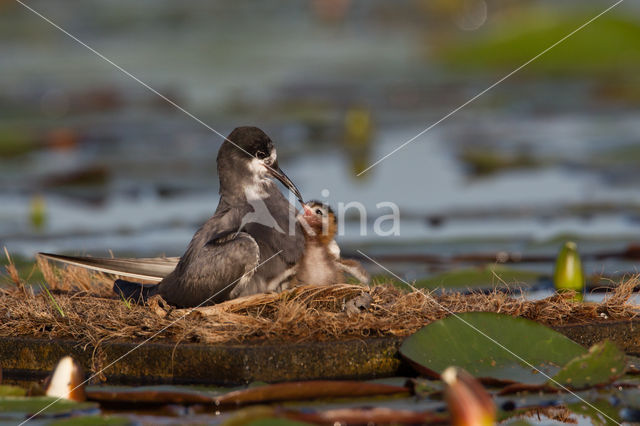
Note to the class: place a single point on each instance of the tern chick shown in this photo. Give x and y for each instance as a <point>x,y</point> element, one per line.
<point>320,263</point>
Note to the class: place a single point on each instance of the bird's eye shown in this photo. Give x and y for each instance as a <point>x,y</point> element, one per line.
<point>319,212</point>
<point>261,155</point>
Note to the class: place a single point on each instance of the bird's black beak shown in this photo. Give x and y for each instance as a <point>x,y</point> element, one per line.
<point>275,171</point>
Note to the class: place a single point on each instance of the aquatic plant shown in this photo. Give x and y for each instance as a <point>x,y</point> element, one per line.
<point>568,275</point>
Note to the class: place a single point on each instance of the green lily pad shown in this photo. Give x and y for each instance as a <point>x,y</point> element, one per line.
<point>489,276</point>
<point>600,412</point>
<point>516,37</point>
<point>94,420</point>
<point>601,365</point>
<point>23,407</point>
<point>259,415</point>
<point>465,340</point>
<point>8,390</point>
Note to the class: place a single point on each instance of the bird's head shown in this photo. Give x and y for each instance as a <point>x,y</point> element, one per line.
<point>248,157</point>
<point>319,221</point>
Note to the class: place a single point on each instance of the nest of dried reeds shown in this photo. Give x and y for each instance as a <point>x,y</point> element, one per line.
<point>79,305</point>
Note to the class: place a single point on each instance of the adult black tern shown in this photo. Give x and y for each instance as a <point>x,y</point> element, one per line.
<point>253,223</point>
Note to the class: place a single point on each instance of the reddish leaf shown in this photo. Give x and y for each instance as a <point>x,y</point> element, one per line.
<point>150,395</point>
<point>308,390</point>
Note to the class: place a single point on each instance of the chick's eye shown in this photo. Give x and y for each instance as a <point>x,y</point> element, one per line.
<point>261,155</point>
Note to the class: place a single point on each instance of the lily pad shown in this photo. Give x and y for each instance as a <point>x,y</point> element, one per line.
<point>257,394</point>
<point>518,36</point>
<point>8,390</point>
<point>487,277</point>
<point>308,390</point>
<point>23,407</point>
<point>150,395</point>
<point>260,415</point>
<point>600,412</point>
<point>601,365</point>
<point>94,421</point>
<point>491,346</point>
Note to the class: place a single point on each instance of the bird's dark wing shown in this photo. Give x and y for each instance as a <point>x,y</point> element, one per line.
<point>148,269</point>
<point>216,271</point>
<point>218,261</point>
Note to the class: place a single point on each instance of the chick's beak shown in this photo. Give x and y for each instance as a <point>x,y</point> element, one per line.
<point>308,211</point>
<point>275,171</point>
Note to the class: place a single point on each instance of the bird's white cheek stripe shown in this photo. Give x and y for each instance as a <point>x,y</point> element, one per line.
<point>257,168</point>
<point>256,191</point>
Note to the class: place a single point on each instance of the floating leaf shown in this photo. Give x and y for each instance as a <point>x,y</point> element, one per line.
<point>394,381</point>
<point>22,407</point>
<point>256,415</point>
<point>308,390</point>
<point>94,421</point>
<point>8,390</point>
<point>532,29</point>
<point>601,365</point>
<point>600,412</point>
<point>278,392</point>
<point>149,395</point>
<point>465,340</point>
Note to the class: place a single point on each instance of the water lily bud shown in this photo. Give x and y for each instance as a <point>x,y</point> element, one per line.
<point>38,213</point>
<point>468,401</point>
<point>67,381</point>
<point>358,126</point>
<point>568,274</point>
<point>358,134</point>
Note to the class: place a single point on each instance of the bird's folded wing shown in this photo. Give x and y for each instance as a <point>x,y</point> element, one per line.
<point>149,269</point>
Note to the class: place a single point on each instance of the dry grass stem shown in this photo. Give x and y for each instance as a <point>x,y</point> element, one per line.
<point>12,271</point>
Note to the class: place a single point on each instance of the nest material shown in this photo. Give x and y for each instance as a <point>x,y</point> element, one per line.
<point>87,311</point>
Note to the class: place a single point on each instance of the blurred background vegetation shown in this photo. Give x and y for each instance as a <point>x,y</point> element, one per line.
<point>91,161</point>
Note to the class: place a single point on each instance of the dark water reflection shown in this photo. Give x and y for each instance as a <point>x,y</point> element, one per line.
<point>92,161</point>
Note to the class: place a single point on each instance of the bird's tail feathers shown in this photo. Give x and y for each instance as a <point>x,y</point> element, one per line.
<point>148,269</point>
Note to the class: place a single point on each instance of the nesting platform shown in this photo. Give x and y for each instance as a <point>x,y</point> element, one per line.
<point>301,334</point>
<point>25,358</point>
